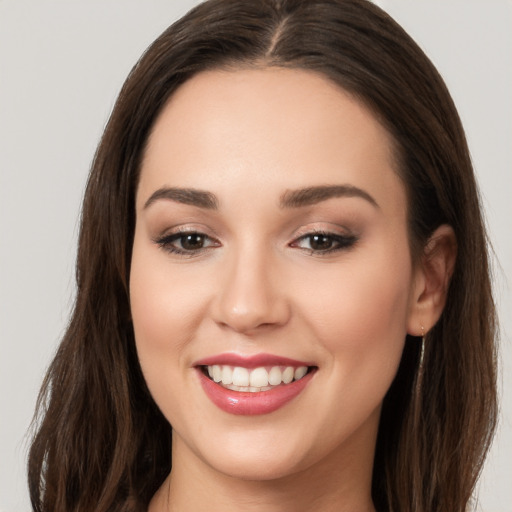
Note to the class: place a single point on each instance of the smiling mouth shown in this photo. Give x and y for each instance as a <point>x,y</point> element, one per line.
<point>254,380</point>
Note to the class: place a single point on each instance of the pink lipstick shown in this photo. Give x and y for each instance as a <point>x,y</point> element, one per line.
<point>249,385</point>
<point>250,361</point>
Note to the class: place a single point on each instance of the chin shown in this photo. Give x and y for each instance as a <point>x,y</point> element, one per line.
<point>259,467</point>
<point>254,455</point>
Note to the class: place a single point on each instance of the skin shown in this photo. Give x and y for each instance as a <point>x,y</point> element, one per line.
<point>249,136</point>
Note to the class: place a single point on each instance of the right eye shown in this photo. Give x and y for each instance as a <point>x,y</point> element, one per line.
<point>186,243</point>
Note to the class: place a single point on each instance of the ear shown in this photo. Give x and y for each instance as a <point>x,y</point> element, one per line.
<point>431,280</point>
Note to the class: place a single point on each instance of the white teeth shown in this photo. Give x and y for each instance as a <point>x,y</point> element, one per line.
<point>300,372</point>
<point>217,372</point>
<point>238,378</point>
<point>274,376</point>
<point>250,389</point>
<point>288,374</point>
<point>259,378</point>
<point>227,375</point>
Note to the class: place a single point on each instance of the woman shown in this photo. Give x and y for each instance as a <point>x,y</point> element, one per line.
<point>282,256</point>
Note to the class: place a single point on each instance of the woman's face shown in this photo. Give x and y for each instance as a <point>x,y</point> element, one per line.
<point>271,241</point>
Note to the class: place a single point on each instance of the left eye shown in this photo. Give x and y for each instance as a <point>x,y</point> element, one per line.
<point>186,243</point>
<point>324,242</point>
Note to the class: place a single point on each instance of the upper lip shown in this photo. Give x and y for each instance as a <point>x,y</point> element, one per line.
<point>250,361</point>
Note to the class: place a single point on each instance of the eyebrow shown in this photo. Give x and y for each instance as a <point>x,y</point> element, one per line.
<point>191,196</point>
<point>313,195</point>
<point>290,199</point>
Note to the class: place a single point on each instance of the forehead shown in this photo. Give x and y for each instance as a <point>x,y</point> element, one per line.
<point>272,127</point>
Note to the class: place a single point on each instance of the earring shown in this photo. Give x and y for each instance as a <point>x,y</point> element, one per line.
<point>422,352</point>
<point>418,383</point>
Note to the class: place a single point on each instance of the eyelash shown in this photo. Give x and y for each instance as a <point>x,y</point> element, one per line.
<point>338,242</point>
<point>166,243</point>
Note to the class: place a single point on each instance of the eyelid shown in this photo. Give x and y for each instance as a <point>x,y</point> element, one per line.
<point>185,228</point>
<point>324,228</point>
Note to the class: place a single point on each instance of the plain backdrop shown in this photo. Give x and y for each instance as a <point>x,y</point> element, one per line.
<point>62,63</point>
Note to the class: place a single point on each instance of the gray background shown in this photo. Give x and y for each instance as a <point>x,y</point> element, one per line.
<point>62,63</point>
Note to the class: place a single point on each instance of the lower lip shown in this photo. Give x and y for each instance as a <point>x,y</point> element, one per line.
<point>249,404</point>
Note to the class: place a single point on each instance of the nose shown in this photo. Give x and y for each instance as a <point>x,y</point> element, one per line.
<point>250,295</point>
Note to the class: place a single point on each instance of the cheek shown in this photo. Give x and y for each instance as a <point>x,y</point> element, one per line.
<point>364,294</point>
<point>359,314</point>
<point>165,314</point>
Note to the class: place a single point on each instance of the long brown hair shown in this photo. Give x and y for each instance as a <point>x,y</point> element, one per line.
<point>101,443</point>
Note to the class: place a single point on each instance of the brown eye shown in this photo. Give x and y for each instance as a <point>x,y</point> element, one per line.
<point>324,243</point>
<point>187,244</point>
<point>320,242</point>
<point>192,242</point>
